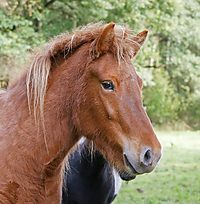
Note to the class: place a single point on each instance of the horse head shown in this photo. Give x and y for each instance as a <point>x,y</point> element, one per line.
<point>111,113</point>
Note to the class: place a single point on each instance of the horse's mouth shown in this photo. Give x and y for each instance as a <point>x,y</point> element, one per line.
<point>129,166</point>
<point>126,176</point>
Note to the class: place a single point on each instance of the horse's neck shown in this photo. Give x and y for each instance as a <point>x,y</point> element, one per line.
<point>27,145</point>
<point>56,134</point>
<point>25,141</point>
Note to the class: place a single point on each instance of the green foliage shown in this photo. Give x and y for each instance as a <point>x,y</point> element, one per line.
<point>190,112</point>
<point>160,100</point>
<point>169,62</point>
<point>16,35</point>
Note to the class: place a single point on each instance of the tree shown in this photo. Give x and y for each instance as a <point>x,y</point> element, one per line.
<point>169,62</point>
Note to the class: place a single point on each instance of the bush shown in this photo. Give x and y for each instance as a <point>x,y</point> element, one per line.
<point>191,112</point>
<point>160,99</point>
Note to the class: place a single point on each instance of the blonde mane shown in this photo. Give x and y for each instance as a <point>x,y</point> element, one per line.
<point>40,66</point>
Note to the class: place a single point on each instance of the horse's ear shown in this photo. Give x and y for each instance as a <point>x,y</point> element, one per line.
<point>140,39</point>
<point>105,40</point>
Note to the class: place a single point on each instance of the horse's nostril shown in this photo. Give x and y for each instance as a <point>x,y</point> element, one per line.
<point>146,156</point>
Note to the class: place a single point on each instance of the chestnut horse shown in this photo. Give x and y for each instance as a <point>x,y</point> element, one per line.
<point>82,84</point>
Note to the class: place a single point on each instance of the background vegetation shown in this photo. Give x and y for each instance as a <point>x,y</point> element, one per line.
<point>169,62</point>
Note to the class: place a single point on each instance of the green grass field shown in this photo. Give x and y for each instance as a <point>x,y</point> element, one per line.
<point>176,179</point>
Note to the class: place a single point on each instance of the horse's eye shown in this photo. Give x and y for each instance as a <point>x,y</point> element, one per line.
<point>108,85</point>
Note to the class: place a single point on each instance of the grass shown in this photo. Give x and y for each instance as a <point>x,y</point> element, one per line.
<point>176,179</point>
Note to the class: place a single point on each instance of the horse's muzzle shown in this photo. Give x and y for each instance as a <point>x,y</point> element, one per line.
<point>145,163</point>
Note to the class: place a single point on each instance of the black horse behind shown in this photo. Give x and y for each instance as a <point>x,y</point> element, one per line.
<point>91,179</point>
